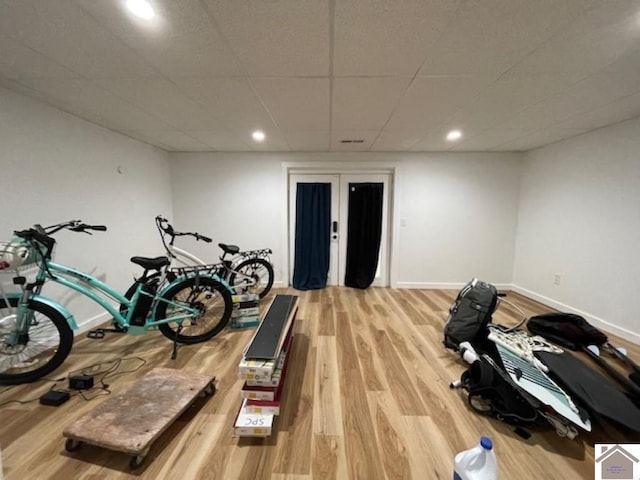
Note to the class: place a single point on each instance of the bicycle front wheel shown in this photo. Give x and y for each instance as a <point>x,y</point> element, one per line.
<point>212,301</point>
<point>254,275</point>
<point>25,357</point>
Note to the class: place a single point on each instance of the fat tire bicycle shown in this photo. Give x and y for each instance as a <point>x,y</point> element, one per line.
<point>36,332</point>
<point>245,272</point>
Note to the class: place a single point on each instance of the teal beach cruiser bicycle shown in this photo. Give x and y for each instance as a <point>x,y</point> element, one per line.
<point>36,332</point>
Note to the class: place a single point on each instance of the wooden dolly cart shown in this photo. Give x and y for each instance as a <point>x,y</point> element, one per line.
<point>132,420</point>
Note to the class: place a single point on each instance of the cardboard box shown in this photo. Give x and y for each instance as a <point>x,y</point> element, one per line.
<point>252,425</point>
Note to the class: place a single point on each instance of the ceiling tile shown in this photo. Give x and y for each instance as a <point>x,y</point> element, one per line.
<point>232,100</point>
<point>539,138</point>
<point>171,140</point>
<point>508,95</point>
<point>397,140</point>
<point>606,31</point>
<point>367,137</point>
<point>163,99</point>
<point>365,103</point>
<point>434,141</point>
<point>490,36</point>
<point>181,41</point>
<point>368,36</point>
<point>429,101</point>
<point>296,103</point>
<point>310,141</point>
<point>88,101</point>
<point>623,109</point>
<point>490,139</point>
<point>221,140</point>
<point>61,31</point>
<point>285,37</point>
<point>19,61</point>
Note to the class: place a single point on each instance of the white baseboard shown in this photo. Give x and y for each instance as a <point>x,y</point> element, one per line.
<point>592,319</point>
<point>445,286</point>
<point>93,322</point>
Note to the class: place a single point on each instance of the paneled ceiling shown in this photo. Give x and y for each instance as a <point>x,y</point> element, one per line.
<point>386,75</point>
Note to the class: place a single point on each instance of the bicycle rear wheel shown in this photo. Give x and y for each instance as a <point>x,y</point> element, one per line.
<point>37,353</point>
<point>209,296</point>
<point>256,270</point>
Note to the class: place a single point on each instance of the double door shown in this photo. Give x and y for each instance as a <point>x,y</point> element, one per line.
<point>340,186</point>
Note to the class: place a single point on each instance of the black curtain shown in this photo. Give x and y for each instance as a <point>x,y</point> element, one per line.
<point>364,232</point>
<point>313,220</point>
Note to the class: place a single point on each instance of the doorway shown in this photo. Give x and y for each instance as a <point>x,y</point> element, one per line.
<point>340,185</point>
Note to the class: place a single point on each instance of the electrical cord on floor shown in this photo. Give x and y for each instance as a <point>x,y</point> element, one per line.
<point>102,388</point>
<point>23,402</point>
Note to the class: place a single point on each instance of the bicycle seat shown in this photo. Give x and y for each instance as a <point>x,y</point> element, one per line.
<point>231,249</point>
<point>150,263</point>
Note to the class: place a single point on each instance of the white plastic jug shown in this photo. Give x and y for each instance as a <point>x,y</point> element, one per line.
<point>477,463</point>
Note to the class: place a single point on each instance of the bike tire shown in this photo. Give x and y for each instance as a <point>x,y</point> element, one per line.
<point>59,344</point>
<point>251,267</point>
<point>197,290</point>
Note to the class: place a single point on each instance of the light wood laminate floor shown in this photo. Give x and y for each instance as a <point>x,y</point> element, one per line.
<point>367,397</point>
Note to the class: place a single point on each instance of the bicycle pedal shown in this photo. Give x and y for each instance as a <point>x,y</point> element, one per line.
<point>97,334</point>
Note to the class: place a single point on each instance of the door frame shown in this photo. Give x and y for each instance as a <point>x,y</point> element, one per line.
<point>342,168</point>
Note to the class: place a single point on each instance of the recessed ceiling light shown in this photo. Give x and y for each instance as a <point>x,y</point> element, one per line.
<point>454,135</point>
<point>141,8</point>
<point>258,135</point>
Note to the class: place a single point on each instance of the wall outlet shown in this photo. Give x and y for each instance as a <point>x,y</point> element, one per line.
<point>556,279</point>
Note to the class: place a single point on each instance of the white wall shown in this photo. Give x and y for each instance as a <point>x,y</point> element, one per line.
<point>460,209</point>
<point>580,218</point>
<point>55,167</point>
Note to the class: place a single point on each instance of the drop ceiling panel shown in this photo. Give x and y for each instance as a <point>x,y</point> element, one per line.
<point>88,101</point>
<point>606,31</point>
<point>296,103</point>
<point>232,100</point>
<point>365,103</point>
<point>19,61</point>
<point>287,37</point>
<point>490,139</point>
<point>221,140</point>
<point>623,109</point>
<point>508,95</point>
<point>171,140</point>
<point>541,137</point>
<point>163,99</point>
<point>429,101</point>
<point>180,41</point>
<point>386,38</point>
<point>434,141</point>
<point>397,140</point>
<point>312,141</point>
<point>490,36</point>
<point>61,31</point>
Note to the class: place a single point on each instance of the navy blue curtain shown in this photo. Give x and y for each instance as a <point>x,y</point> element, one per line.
<point>313,221</point>
<point>364,230</point>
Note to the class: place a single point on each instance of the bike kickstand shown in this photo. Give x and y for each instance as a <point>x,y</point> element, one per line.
<point>174,353</point>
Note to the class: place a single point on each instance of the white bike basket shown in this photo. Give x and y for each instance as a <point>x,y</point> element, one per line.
<point>17,255</point>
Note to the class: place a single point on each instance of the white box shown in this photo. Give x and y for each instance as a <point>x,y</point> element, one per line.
<point>252,425</point>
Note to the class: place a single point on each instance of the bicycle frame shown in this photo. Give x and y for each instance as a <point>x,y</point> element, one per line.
<point>100,293</point>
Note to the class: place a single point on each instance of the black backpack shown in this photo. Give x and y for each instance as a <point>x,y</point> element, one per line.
<point>492,392</point>
<point>470,314</point>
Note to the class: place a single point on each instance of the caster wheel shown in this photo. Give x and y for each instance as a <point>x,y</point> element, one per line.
<point>71,445</point>
<point>210,390</point>
<point>136,461</point>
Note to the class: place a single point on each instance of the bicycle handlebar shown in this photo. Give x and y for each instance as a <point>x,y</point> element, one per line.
<point>43,234</point>
<point>164,226</point>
